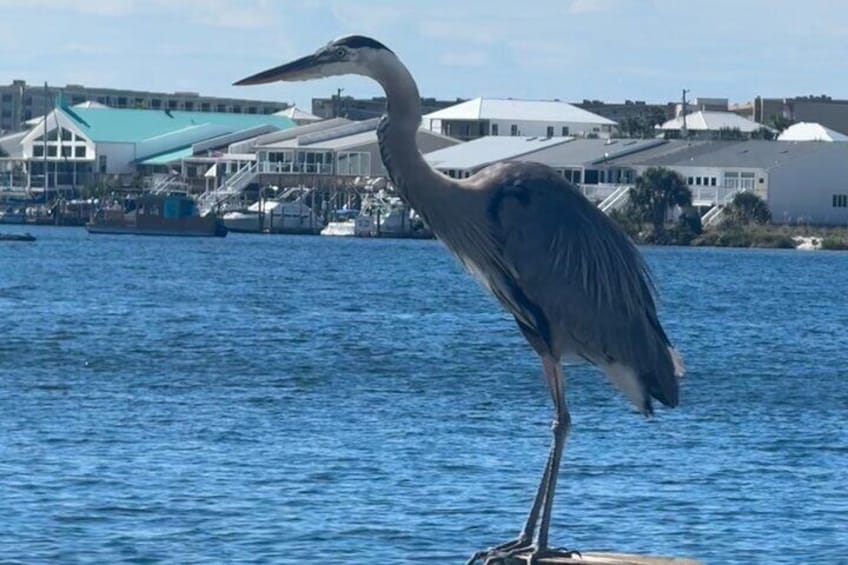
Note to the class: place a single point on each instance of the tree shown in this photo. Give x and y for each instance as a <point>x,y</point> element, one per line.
<point>746,208</point>
<point>780,123</point>
<point>658,190</point>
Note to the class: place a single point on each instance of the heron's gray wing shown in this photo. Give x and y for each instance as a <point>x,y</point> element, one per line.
<point>573,279</point>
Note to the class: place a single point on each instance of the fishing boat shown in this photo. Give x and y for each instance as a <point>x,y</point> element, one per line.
<point>174,214</point>
<point>274,216</point>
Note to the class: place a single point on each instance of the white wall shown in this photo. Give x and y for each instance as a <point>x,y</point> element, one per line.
<point>802,189</point>
<point>119,158</point>
<point>539,129</point>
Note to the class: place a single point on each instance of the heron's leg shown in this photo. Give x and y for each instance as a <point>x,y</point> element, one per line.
<point>525,538</point>
<point>545,494</point>
<point>561,426</point>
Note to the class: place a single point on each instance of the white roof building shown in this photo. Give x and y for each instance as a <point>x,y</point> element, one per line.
<point>499,116</point>
<point>298,116</point>
<point>706,122</point>
<point>810,131</point>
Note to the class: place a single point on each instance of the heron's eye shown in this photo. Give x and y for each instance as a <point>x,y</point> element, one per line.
<point>340,52</point>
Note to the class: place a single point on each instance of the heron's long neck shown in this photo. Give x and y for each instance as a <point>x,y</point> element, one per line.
<point>414,179</point>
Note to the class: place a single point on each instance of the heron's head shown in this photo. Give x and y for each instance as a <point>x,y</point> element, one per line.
<point>353,54</point>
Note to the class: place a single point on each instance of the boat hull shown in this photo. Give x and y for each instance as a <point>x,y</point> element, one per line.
<point>206,226</point>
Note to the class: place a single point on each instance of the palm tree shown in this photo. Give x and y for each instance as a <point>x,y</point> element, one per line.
<point>657,191</point>
<point>746,208</point>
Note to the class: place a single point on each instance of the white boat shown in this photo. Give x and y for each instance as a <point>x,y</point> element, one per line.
<point>274,216</point>
<point>344,224</point>
<point>389,216</point>
<point>12,216</point>
<point>341,228</point>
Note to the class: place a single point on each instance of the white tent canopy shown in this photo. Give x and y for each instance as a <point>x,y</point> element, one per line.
<point>810,131</point>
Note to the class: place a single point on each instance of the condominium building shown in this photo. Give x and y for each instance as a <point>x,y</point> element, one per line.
<point>20,102</point>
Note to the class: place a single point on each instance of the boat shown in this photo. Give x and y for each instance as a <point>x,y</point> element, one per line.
<point>344,224</point>
<point>16,237</point>
<point>173,214</point>
<point>389,216</point>
<point>274,216</point>
<point>12,216</point>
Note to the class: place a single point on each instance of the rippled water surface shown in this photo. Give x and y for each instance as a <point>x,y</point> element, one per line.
<point>320,400</point>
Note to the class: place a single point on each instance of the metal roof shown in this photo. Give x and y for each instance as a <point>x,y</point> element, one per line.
<point>518,110</point>
<point>554,151</point>
<point>712,121</point>
<point>759,154</point>
<point>168,157</point>
<point>482,151</point>
<point>135,125</point>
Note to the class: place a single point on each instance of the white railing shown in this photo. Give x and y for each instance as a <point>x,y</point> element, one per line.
<point>714,214</point>
<point>712,195</point>
<point>616,200</point>
<point>599,192</point>
<point>290,167</point>
<point>232,186</point>
<point>164,184</point>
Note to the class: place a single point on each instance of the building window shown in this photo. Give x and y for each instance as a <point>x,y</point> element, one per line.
<point>513,129</point>
<point>155,103</point>
<point>122,101</point>
<point>494,129</point>
<point>51,150</point>
<point>38,151</point>
<point>698,181</point>
<point>101,164</point>
<point>713,181</point>
<point>172,104</point>
<point>690,181</point>
<point>251,109</point>
<point>189,106</point>
<point>79,151</point>
<point>221,108</point>
<point>564,131</point>
<point>550,131</point>
<point>840,200</point>
<point>204,106</point>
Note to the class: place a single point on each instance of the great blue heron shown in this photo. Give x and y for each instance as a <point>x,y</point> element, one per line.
<point>574,282</point>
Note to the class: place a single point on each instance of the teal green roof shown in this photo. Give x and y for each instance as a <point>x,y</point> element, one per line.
<point>135,125</point>
<point>169,157</point>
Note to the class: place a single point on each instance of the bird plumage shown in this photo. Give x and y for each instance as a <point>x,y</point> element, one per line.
<point>574,282</point>
<point>572,279</point>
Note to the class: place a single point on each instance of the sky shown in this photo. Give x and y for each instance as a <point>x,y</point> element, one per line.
<point>610,50</point>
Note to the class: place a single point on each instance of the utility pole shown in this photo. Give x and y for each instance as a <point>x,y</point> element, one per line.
<point>338,109</point>
<point>684,131</point>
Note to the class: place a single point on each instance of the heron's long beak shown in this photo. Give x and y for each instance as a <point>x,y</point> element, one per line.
<point>304,68</point>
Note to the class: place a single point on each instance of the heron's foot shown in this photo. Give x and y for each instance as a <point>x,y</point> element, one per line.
<point>493,554</point>
<point>535,556</point>
<point>521,552</point>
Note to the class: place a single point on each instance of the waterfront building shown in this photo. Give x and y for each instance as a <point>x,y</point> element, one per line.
<point>822,109</point>
<point>76,146</point>
<point>21,102</point>
<point>800,181</point>
<point>706,124</point>
<point>338,106</point>
<point>511,117</point>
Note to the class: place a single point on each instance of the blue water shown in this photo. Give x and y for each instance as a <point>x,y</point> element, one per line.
<point>322,400</point>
